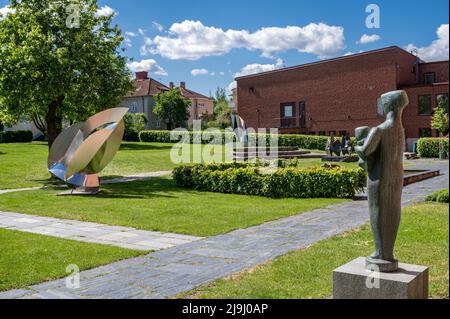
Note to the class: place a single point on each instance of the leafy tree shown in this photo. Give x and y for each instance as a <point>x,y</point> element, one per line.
<point>59,60</point>
<point>220,101</point>
<point>134,123</point>
<point>440,117</point>
<point>172,107</point>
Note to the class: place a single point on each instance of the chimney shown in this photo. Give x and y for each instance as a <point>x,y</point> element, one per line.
<point>183,85</point>
<point>171,85</point>
<point>142,75</point>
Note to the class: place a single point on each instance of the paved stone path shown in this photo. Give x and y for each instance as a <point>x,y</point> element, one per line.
<point>125,237</point>
<point>124,179</point>
<point>179,269</point>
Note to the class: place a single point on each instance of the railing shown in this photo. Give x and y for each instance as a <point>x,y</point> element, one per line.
<point>288,122</point>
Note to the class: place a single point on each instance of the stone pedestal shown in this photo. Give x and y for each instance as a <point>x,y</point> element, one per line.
<point>354,281</point>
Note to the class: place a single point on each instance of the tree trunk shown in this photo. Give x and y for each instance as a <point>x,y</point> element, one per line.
<point>53,120</point>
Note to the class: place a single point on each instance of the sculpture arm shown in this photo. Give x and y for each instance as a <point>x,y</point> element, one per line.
<point>370,144</point>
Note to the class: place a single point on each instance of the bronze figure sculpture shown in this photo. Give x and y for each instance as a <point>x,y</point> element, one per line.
<point>381,153</point>
<point>82,150</point>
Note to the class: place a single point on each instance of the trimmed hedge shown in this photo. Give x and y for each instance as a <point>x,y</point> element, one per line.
<point>429,147</point>
<point>310,142</point>
<point>240,178</point>
<point>16,137</point>
<point>439,196</point>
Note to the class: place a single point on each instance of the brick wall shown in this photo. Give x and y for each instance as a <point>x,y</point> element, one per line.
<point>340,94</point>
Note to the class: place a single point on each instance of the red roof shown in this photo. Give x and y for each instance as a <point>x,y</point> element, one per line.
<point>147,87</point>
<point>191,94</point>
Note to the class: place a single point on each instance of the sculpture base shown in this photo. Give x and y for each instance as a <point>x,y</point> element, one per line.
<point>381,265</point>
<point>354,281</point>
<point>81,191</point>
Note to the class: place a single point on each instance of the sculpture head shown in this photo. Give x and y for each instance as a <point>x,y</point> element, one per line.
<point>394,101</point>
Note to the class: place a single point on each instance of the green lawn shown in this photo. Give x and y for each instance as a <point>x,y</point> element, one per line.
<point>28,259</point>
<point>24,165</point>
<point>158,204</point>
<point>423,239</point>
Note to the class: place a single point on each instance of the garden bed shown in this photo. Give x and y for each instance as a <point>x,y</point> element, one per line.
<point>282,182</point>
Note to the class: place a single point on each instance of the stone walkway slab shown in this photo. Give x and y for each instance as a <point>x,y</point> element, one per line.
<point>125,237</point>
<point>166,273</point>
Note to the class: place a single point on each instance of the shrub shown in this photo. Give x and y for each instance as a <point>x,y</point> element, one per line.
<point>242,178</point>
<point>429,147</point>
<point>16,137</point>
<point>134,123</point>
<point>309,142</point>
<point>439,196</point>
<point>164,137</point>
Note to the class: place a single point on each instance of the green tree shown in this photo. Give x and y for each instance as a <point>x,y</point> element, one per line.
<point>220,101</point>
<point>172,107</point>
<point>134,123</point>
<point>440,119</point>
<point>59,60</point>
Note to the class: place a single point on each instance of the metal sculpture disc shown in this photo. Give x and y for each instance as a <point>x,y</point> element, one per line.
<point>84,149</point>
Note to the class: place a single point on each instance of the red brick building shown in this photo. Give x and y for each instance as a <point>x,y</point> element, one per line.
<point>338,95</point>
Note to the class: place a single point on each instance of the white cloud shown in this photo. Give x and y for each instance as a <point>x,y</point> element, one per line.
<point>141,31</point>
<point>255,68</point>
<point>196,72</point>
<point>131,34</point>
<point>437,50</point>
<point>106,11</point>
<point>5,11</point>
<point>191,40</point>
<point>128,42</point>
<point>351,53</point>
<point>221,73</point>
<point>365,38</point>
<point>149,65</point>
<point>157,26</point>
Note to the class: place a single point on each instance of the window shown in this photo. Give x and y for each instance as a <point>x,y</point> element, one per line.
<point>134,107</point>
<point>302,112</point>
<point>158,123</point>
<point>425,107</point>
<point>343,133</point>
<point>287,110</point>
<point>322,133</point>
<point>429,78</point>
<point>332,133</point>
<point>380,110</point>
<point>424,132</point>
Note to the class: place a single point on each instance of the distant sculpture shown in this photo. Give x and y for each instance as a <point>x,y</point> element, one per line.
<point>82,150</point>
<point>239,126</point>
<point>333,146</point>
<point>381,154</point>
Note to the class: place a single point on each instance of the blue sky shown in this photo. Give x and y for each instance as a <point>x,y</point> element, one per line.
<point>219,39</point>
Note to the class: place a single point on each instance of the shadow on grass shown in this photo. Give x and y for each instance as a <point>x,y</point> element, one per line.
<point>127,146</point>
<point>149,188</point>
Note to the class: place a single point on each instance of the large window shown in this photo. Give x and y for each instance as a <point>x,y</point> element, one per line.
<point>287,114</point>
<point>425,107</point>
<point>380,110</point>
<point>429,78</point>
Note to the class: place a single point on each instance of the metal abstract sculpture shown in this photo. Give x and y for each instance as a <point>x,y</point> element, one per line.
<point>82,150</point>
<point>381,153</point>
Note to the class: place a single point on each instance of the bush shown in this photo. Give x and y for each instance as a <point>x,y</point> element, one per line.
<point>134,123</point>
<point>241,178</point>
<point>439,196</point>
<point>429,147</point>
<point>16,137</point>
<point>309,142</point>
<point>164,137</point>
